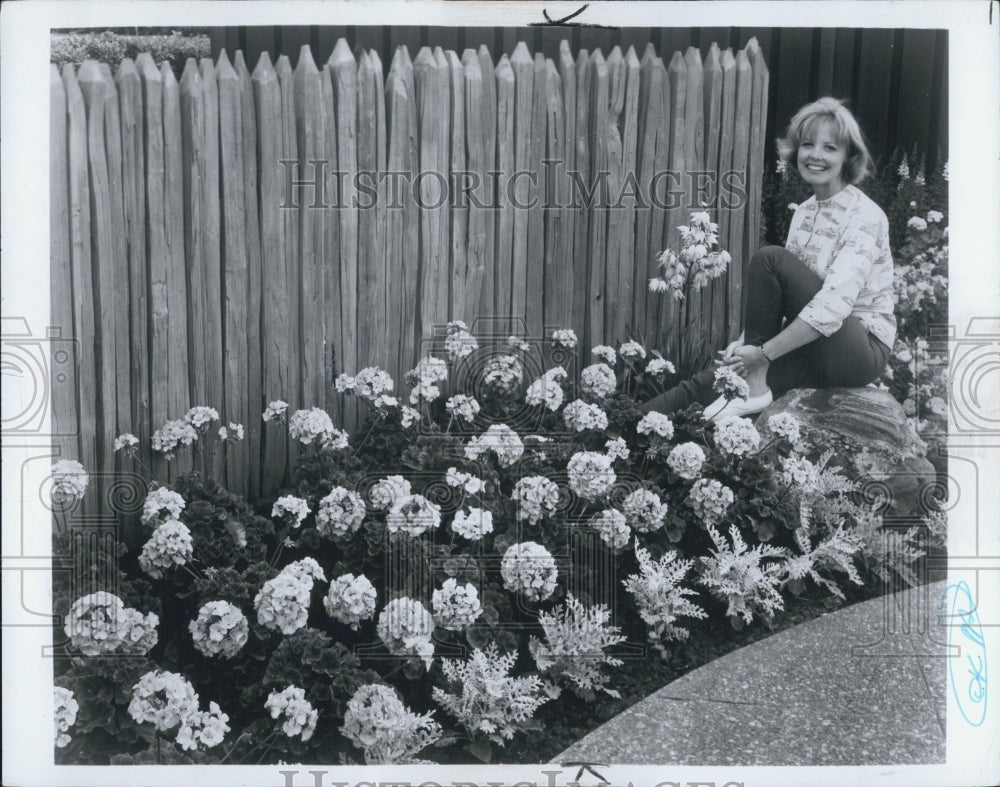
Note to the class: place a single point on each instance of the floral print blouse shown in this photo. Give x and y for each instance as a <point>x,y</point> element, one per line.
<point>845,240</point>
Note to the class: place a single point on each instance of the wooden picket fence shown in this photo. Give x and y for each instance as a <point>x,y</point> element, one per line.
<point>186,281</point>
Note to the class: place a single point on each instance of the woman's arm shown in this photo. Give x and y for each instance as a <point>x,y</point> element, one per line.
<point>749,358</point>
<point>864,237</point>
<point>824,314</point>
<point>794,335</point>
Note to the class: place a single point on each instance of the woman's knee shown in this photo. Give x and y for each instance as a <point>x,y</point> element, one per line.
<point>763,256</point>
<point>771,259</point>
<point>852,367</point>
<point>768,252</point>
<point>773,256</point>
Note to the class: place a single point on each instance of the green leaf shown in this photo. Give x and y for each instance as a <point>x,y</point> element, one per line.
<point>503,542</point>
<point>453,566</point>
<point>478,636</point>
<point>506,641</point>
<point>414,669</point>
<point>481,750</point>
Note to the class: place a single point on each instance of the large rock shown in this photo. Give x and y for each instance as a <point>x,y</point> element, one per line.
<point>871,435</point>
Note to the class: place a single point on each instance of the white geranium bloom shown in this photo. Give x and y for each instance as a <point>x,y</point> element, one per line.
<point>299,715</point>
<point>529,568</point>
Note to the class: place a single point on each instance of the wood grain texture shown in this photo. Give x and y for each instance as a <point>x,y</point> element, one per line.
<point>726,204</point>
<point>397,123</point>
<point>412,219</point>
<point>487,298</point>
<point>192,124</point>
<point>83,289</point>
<point>659,187</point>
<point>311,150</point>
<point>290,228</point>
<point>524,81</point>
<point>255,403</point>
<point>629,290</point>
<point>567,87</point>
<point>648,118</point>
<point>178,382</point>
<point>581,182</point>
<point>598,223</point>
<point>193,156</point>
<point>741,153</point>
<point>234,268</point>
<point>333,320</point>
<point>758,129</point>
<point>505,168</point>
<point>433,262</point>
<point>381,150</point>
<point>93,86</point>
<point>371,261</point>
<point>119,267</point>
<point>134,231</point>
<point>443,139</point>
<point>694,331</point>
<point>211,227</point>
<point>706,191</point>
<point>671,310</point>
<point>472,90</point>
<point>613,318</point>
<point>343,70</point>
<point>534,305</point>
<point>458,290</point>
<point>558,280</point>
<point>63,358</point>
<point>158,254</point>
<point>275,369</point>
<point>403,225</point>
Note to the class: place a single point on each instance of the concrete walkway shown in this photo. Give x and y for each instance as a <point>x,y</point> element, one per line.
<point>860,686</point>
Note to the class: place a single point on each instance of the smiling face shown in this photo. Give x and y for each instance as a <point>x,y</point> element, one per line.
<point>821,158</point>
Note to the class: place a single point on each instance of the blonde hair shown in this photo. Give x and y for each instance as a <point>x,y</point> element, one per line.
<point>858,163</point>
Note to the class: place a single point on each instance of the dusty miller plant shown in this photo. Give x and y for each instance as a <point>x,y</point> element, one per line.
<point>743,577</point>
<point>573,648</point>
<point>484,698</point>
<point>660,597</point>
<point>888,553</point>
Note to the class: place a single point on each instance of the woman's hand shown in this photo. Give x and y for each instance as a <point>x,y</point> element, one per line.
<point>729,357</point>
<point>749,359</point>
<point>728,352</point>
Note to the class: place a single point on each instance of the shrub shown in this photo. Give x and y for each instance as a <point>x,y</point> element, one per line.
<point>111,48</point>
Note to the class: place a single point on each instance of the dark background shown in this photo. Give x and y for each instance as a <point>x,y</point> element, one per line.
<point>894,79</point>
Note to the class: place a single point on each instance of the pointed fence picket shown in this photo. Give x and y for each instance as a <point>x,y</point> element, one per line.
<point>246,235</point>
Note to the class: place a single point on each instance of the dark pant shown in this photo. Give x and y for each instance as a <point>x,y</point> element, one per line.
<point>778,288</point>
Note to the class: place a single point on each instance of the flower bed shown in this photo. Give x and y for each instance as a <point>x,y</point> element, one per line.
<point>497,548</point>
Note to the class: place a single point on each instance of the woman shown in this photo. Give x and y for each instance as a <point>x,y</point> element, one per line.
<point>819,312</point>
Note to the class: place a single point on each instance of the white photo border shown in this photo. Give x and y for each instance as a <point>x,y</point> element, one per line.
<point>974,294</point>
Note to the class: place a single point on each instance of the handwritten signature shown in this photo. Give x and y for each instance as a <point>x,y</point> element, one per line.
<point>971,701</point>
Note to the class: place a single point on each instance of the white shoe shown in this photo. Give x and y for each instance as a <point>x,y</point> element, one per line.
<point>737,407</point>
